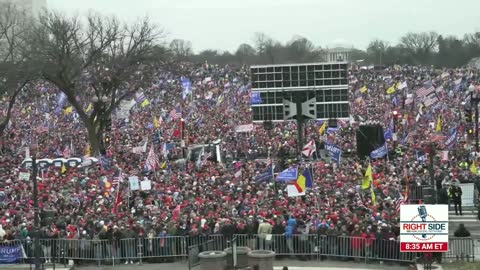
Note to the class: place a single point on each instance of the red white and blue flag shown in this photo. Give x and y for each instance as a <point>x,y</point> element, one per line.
<point>176,113</point>
<point>152,160</point>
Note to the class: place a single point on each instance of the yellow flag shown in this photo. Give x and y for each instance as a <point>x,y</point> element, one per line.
<point>367,179</point>
<point>69,110</point>
<point>439,124</point>
<point>391,90</point>
<point>145,103</point>
<point>473,168</point>
<point>323,128</point>
<point>220,99</point>
<point>156,123</point>
<point>88,150</point>
<point>89,107</point>
<point>397,86</point>
<point>163,166</point>
<point>364,89</point>
<point>64,169</point>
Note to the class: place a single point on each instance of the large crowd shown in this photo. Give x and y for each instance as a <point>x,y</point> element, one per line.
<point>205,197</point>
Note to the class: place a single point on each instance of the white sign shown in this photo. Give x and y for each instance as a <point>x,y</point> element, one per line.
<point>244,128</point>
<point>146,185</point>
<point>424,228</point>
<point>133,181</point>
<point>24,176</point>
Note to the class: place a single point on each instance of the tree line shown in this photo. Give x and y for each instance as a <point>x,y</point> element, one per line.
<point>425,48</point>
<point>95,61</point>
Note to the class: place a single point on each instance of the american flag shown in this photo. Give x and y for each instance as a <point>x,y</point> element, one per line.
<point>269,162</point>
<point>176,113</point>
<point>401,200</point>
<point>425,91</point>
<point>430,100</point>
<point>152,160</point>
<point>67,152</point>
<point>117,179</point>
<point>398,203</point>
<point>43,128</point>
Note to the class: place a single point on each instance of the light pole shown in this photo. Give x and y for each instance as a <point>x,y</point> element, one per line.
<point>395,115</point>
<point>36,243</point>
<point>474,102</point>
<point>182,143</point>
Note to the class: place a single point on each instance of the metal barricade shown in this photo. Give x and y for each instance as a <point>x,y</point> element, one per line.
<point>302,246</point>
<point>209,244</point>
<point>461,249</point>
<point>161,247</point>
<point>416,193</point>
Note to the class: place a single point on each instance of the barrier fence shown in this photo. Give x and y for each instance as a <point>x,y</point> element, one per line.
<point>308,246</point>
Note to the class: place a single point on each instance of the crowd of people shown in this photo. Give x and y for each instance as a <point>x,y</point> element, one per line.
<point>204,197</point>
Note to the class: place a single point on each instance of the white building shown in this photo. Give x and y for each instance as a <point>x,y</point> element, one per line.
<point>30,7</point>
<point>338,54</point>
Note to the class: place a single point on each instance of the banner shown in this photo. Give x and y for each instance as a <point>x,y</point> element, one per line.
<point>24,176</point>
<point>334,152</point>
<point>290,174</point>
<point>10,254</point>
<point>244,128</point>
<point>146,185</point>
<point>452,138</point>
<point>379,152</point>
<point>133,182</point>
<point>265,176</point>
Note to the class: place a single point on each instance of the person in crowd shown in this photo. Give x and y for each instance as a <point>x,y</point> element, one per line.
<point>456,193</point>
<point>200,198</point>
<point>461,231</point>
<point>265,234</point>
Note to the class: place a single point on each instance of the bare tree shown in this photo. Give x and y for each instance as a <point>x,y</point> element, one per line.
<point>300,49</point>
<point>420,45</point>
<point>100,62</point>
<point>181,49</point>
<point>378,48</point>
<point>245,53</point>
<point>15,72</point>
<point>265,46</point>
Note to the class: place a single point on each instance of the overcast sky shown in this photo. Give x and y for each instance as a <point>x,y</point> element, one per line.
<point>224,24</point>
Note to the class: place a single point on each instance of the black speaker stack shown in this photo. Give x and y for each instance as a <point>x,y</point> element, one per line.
<point>369,137</point>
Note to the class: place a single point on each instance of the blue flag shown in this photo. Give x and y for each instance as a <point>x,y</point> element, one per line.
<point>452,139</point>
<point>186,87</point>
<point>308,178</point>
<point>334,152</point>
<point>421,156</point>
<point>380,152</point>
<point>290,174</point>
<point>256,98</point>
<point>388,135</point>
<point>332,130</point>
<point>265,176</point>
<point>395,101</point>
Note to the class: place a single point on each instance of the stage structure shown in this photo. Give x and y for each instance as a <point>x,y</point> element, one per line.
<point>299,92</point>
